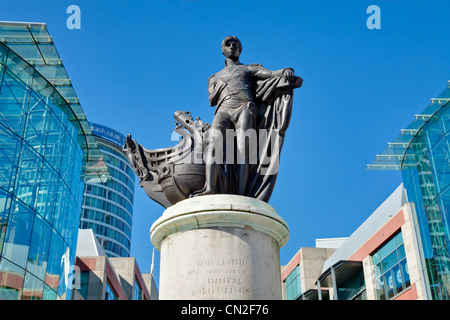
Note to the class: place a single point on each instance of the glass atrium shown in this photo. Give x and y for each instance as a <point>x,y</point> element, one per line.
<point>47,151</point>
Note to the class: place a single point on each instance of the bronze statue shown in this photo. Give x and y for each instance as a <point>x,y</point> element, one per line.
<point>233,90</point>
<point>239,151</point>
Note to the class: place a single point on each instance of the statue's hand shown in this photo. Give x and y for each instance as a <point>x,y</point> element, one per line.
<point>288,74</point>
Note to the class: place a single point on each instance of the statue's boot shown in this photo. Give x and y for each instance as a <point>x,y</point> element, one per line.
<point>202,192</point>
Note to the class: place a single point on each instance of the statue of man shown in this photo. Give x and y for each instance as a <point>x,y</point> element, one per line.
<point>233,90</point>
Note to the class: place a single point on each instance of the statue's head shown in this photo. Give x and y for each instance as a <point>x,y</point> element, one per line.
<point>231,47</point>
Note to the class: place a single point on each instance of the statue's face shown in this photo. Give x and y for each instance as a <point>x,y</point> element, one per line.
<point>231,49</point>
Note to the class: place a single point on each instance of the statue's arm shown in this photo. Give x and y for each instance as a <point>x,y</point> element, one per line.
<point>261,73</point>
<point>215,87</point>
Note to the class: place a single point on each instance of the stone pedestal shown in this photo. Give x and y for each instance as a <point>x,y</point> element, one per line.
<point>220,247</point>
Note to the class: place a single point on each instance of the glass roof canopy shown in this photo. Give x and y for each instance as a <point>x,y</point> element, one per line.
<point>33,43</point>
<point>396,155</point>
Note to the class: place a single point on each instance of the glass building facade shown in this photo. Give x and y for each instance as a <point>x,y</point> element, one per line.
<point>107,208</point>
<point>422,153</point>
<point>292,285</point>
<point>45,155</point>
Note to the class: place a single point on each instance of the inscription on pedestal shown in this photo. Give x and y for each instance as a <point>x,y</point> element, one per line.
<point>222,277</point>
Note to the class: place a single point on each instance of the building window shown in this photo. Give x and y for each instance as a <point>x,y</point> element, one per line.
<point>292,285</point>
<point>354,288</point>
<point>84,282</point>
<point>391,269</point>
<point>109,292</point>
<point>137,291</point>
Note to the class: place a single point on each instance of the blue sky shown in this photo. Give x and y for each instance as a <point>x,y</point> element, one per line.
<point>134,63</point>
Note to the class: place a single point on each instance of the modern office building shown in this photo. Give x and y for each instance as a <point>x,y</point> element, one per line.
<point>47,152</point>
<point>401,252</point>
<point>107,208</point>
<point>103,278</point>
<point>379,261</point>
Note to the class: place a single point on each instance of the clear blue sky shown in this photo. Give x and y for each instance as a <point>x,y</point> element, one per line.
<point>134,63</point>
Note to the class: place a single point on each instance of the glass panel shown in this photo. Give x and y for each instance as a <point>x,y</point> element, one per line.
<point>47,192</point>
<point>15,33</point>
<point>49,294</point>
<point>33,288</point>
<point>49,52</point>
<point>11,280</point>
<point>399,239</point>
<point>380,287</point>
<point>38,254</point>
<point>63,196</point>
<point>18,233</point>
<point>405,273</point>
<point>40,33</point>
<point>28,51</point>
<point>376,258</point>
<point>68,156</point>
<point>13,105</point>
<point>378,271</point>
<point>54,147</point>
<point>10,146</point>
<point>137,291</point>
<point>28,175</point>
<point>64,272</point>
<point>109,293</point>
<point>433,135</point>
<point>84,282</point>
<point>54,261</point>
<point>398,280</point>
<point>387,249</point>
<point>77,183</point>
<point>401,252</point>
<point>20,69</point>
<point>5,205</point>
<point>389,261</point>
<point>37,124</point>
<point>55,74</point>
<point>390,283</point>
<point>3,53</point>
<point>72,222</point>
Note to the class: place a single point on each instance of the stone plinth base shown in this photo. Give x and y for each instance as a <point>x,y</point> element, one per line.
<point>220,247</point>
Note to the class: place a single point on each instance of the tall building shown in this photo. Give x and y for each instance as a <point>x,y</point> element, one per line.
<point>107,208</point>
<point>47,152</point>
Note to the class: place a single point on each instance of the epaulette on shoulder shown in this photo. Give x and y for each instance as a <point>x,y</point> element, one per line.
<point>255,65</point>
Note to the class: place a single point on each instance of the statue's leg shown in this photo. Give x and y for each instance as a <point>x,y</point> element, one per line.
<point>213,154</point>
<point>246,140</point>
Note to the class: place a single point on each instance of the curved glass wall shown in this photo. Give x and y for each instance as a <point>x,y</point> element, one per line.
<point>107,208</point>
<point>426,176</point>
<point>40,188</point>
